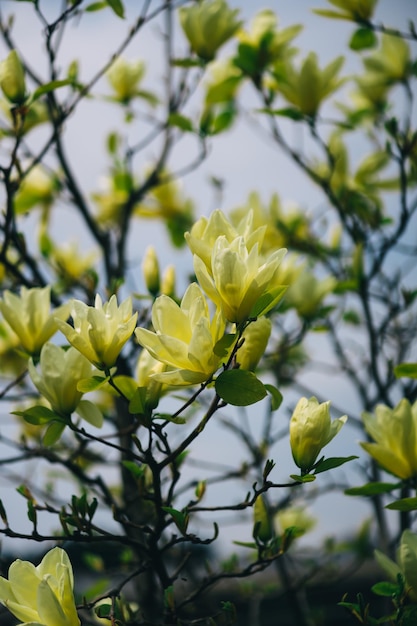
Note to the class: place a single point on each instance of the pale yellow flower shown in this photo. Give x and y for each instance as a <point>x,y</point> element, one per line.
<point>205,232</point>
<point>31,318</point>
<point>310,430</point>
<point>239,278</point>
<point>395,434</point>
<point>306,293</point>
<point>71,262</point>
<point>352,10</point>
<point>146,369</point>
<point>296,518</point>
<point>184,338</point>
<point>124,78</point>
<point>41,595</point>
<point>208,25</point>
<point>406,564</point>
<point>60,372</point>
<point>100,331</point>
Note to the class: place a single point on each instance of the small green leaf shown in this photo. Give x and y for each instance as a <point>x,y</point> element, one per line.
<point>53,433</point>
<point>223,346</point>
<point>136,470</point>
<point>38,415</point>
<point>405,504</point>
<point>362,39</point>
<point>55,84</point>
<point>126,385</point>
<point>137,404</point>
<point>117,7</point>
<point>180,121</point>
<point>180,518</point>
<point>372,489</point>
<point>276,396</point>
<point>307,478</point>
<point>187,62</point>
<point>268,301</point>
<point>92,384</point>
<point>406,370</point>
<point>332,462</point>
<point>385,589</point>
<point>239,387</point>
<point>95,6</point>
<point>90,413</point>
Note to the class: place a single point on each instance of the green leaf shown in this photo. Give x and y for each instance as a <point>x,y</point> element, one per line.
<point>405,504</point>
<point>406,370</point>
<point>53,433</point>
<point>180,518</point>
<point>239,387</point>
<point>362,39</point>
<point>385,589</point>
<point>95,6</point>
<point>268,301</point>
<point>307,478</point>
<point>137,404</point>
<point>180,121</point>
<point>372,489</point>
<point>187,62</point>
<point>92,384</point>
<point>136,470</point>
<point>223,346</point>
<point>276,396</point>
<point>332,462</point>
<point>38,415</point>
<point>54,84</point>
<point>90,413</point>
<point>126,385</point>
<point>117,7</point>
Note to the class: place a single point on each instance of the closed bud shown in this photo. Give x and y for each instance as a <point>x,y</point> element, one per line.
<point>168,281</point>
<point>12,78</point>
<point>150,268</point>
<point>262,527</point>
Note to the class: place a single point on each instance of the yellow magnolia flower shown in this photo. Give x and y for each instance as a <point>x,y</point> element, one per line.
<point>31,318</point>
<point>100,331</point>
<point>124,78</point>
<point>208,25</point>
<point>391,63</point>
<point>306,293</point>
<point>395,434</point>
<point>71,263</point>
<point>310,430</point>
<point>37,188</point>
<point>41,595</point>
<point>296,518</point>
<point>168,281</point>
<point>264,43</point>
<point>205,232</point>
<point>256,337</point>
<point>184,338</point>
<point>308,87</point>
<point>61,371</point>
<point>406,564</point>
<point>239,278</point>
<point>12,78</point>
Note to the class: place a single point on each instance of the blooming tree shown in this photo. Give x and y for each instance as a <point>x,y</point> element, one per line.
<point>116,375</point>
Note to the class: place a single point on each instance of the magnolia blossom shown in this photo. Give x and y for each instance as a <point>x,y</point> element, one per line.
<point>184,338</point>
<point>256,337</point>
<point>208,25</point>
<point>394,432</point>
<point>406,564</point>
<point>42,595</point>
<point>60,372</point>
<point>124,78</point>
<point>146,369</point>
<point>30,316</point>
<point>239,278</point>
<point>100,331</point>
<point>205,232</point>
<point>310,430</point>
